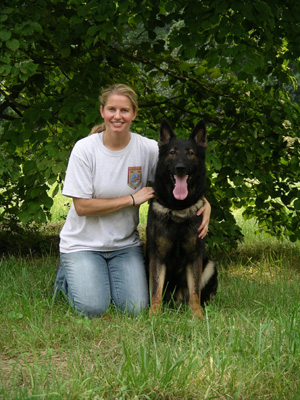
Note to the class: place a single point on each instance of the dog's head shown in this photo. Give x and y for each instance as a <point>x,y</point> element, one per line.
<point>198,134</point>
<point>183,158</point>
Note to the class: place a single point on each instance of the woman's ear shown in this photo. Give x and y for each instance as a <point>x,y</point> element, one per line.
<point>101,111</point>
<point>134,115</point>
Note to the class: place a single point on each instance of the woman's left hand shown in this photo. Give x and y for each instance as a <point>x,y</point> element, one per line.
<point>205,211</point>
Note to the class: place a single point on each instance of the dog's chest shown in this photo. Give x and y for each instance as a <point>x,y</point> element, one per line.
<point>174,232</point>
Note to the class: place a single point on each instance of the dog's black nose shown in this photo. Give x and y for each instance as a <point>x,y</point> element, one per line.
<point>180,169</point>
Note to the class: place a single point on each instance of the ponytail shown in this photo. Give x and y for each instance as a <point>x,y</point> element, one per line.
<point>97,129</point>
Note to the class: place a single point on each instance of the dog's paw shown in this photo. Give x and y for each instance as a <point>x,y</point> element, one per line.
<point>197,313</point>
<point>196,310</point>
<point>155,308</point>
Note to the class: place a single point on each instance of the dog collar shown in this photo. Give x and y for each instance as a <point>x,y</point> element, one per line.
<point>186,212</point>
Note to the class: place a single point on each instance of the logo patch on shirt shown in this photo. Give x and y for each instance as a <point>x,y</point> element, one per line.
<point>134,177</point>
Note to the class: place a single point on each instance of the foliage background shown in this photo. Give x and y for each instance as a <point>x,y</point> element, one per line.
<point>235,64</point>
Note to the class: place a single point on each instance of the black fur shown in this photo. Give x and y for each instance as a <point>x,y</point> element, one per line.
<point>175,253</point>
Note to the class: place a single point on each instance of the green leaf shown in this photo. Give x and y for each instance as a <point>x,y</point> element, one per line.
<point>13,44</point>
<point>297,204</point>
<point>247,11</point>
<point>240,191</point>
<point>264,12</point>
<point>27,213</point>
<point>5,70</point>
<point>190,51</point>
<point>3,17</point>
<point>29,167</point>
<point>36,26</point>
<point>216,162</point>
<point>169,6</point>
<point>275,116</point>
<point>46,201</point>
<point>238,180</point>
<point>295,163</point>
<point>28,68</point>
<point>55,191</point>
<point>93,30</point>
<point>5,35</point>
<point>59,168</point>
<point>185,66</point>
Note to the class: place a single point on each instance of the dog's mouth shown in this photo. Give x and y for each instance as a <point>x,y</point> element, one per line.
<point>180,191</point>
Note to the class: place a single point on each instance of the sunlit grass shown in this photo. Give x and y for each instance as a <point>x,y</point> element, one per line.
<point>60,207</point>
<point>247,347</point>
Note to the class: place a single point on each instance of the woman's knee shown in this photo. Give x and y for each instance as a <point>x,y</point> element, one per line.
<point>129,286</point>
<point>90,309</point>
<point>87,282</point>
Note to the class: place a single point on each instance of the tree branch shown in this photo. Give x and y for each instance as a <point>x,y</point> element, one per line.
<point>169,73</point>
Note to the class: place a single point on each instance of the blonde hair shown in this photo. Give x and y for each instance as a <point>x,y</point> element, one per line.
<point>119,89</point>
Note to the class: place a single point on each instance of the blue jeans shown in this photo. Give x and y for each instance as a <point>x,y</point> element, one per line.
<point>91,280</point>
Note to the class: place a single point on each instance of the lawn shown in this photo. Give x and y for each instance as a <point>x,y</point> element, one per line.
<point>246,347</point>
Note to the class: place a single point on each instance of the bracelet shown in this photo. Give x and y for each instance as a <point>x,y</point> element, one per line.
<point>133,201</point>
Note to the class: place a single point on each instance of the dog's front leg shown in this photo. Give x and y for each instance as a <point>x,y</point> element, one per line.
<point>194,273</point>
<point>157,280</point>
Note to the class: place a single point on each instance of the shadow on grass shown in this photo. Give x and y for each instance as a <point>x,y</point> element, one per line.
<point>34,242</point>
<point>270,252</point>
<point>45,241</point>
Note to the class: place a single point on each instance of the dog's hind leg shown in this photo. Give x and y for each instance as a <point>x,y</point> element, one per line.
<point>157,280</point>
<point>193,274</point>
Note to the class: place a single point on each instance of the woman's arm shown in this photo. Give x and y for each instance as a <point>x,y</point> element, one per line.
<point>205,210</point>
<point>98,207</point>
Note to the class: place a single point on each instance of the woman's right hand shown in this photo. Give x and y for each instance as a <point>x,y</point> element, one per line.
<point>143,195</point>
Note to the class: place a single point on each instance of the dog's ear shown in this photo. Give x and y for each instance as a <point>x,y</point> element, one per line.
<point>165,134</point>
<point>199,134</point>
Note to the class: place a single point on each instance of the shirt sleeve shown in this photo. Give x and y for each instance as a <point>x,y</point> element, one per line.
<point>78,180</point>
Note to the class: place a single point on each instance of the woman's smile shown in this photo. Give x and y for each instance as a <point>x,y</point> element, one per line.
<point>118,114</point>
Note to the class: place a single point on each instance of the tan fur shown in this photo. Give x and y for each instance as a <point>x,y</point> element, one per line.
<point>194,292</point>
<point>180,214</point>
<point>158,272</point>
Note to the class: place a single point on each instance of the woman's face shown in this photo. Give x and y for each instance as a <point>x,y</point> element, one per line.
<point>118,114</point>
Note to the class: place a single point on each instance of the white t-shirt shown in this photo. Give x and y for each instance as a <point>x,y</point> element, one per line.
<point>94,171</point>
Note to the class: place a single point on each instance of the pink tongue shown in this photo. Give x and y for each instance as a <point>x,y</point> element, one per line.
<point>180,191</point>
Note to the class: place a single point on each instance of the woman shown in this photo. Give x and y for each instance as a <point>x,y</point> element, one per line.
<point>101,257</point>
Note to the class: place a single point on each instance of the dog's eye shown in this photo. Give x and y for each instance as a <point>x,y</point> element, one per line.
<point>173,152</point>
<point>190,153</point>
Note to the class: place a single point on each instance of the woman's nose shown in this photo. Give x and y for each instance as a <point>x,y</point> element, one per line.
<point>117,114</point>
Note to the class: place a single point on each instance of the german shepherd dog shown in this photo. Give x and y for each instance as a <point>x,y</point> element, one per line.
<point>179,267</point>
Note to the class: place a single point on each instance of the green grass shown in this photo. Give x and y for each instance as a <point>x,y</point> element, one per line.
<point>246,347</point>
<point>60,207</point>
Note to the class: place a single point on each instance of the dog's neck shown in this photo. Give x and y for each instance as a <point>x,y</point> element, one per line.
<point>185,213</point>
